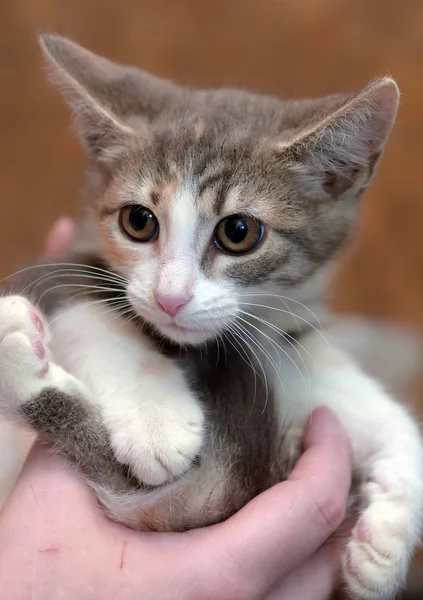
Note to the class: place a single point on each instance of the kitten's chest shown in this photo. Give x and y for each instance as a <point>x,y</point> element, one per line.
<point>243,414</point>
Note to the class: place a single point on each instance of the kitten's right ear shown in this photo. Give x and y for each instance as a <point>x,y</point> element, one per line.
<point>81,77</point>
<point>102,94</point>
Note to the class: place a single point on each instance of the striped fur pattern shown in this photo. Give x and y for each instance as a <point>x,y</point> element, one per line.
<point>175,374</point>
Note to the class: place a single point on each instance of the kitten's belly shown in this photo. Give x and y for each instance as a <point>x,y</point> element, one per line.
<point>209,494</point>
<point>245,450</point>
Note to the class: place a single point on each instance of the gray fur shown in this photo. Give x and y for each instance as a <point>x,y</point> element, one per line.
<point>75,428</point>
<point>302,164</point>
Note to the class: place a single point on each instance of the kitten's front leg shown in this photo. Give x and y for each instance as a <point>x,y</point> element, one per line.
<point>155,422</point>
<point>388,459</point>
<point>37,391</point>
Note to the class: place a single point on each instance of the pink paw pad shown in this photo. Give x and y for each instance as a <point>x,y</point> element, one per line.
<point>35,318</point>
<point>39,349</point>
<point>44,371</point>
<point>363,532</point>
<point>350,564</point>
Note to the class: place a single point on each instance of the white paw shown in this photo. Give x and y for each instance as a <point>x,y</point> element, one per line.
<point>158,440</point>
<point>376,557</point>
<point>24,355</point>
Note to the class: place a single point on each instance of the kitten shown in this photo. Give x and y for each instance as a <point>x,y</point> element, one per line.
<point>175,354</point>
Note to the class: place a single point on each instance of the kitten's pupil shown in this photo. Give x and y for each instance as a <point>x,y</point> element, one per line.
<point>236,230</point>
<point>139,223</point>
<point>138,218</point>
<point>238,234</point>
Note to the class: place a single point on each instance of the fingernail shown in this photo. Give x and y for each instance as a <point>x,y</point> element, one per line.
<point>59,237</point>
<point>322,423</point>
<point>63,224</point>
<point>323,426</point>
<point>323,417</point>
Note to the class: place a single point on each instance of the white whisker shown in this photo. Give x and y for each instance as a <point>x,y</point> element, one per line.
<point>285,300</point>
<point>71,273</point>
<point>86,305</point>
<point>285,336</point>
<point>79,285</point>
<point>250,363</point>
<point>250,304</point>
<point>266,354</point>
<point>238,335</point>
<point>262,348</point>
<point>63,264</point>
<point>279,347</point>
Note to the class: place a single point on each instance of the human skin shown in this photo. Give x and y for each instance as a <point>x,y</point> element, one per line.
<point>55,542</point>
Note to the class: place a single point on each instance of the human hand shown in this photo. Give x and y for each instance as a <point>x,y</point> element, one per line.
<point>55,542</point>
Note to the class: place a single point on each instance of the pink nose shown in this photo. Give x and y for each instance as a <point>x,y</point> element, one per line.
<point>172,304</point>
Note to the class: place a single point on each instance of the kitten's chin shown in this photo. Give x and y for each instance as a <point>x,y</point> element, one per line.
<point>184,336</point>
<point>173,331</point>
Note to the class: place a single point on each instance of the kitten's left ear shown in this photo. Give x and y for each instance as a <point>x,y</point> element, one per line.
<point>337,151</point>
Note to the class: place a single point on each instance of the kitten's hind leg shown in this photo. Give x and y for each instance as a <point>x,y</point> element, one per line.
<point>387,451</point>
<point>53,402</point>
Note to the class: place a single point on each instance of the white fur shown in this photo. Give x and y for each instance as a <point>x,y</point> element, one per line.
<point>24,356</point>
<point>387,454</point>
<point>155,422</point>
<point>177,271</point>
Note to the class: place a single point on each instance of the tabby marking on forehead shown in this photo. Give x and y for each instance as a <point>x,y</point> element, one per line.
<point>195,156</point>
<point>164,193</point>
<point>209,430</point>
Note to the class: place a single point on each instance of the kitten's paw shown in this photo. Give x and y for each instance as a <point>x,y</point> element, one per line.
<point>376,557</point>
<point>158,442</point>
<point>18,314</point>
<point>25,360</point>
<point>24,356</point>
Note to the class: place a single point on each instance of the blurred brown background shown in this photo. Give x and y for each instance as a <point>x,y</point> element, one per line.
<point>289,47</point>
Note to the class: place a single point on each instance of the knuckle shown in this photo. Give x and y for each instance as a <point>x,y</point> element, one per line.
<point>330,509</point>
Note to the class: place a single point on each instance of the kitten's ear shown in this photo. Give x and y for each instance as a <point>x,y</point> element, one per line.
<point>340,147</point>
<point>102,94</point>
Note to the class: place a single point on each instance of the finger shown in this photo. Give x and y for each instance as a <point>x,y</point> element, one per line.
<point>59,238</point>
<point>50,471</point>
<point>285,525</point>
<point>314,580</point>
<point>319,576</point>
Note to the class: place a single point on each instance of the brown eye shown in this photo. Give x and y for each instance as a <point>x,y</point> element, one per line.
<point>237,234</point>
<point>139,223</point>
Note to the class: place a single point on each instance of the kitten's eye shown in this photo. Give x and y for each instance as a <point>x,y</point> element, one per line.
<point>139,223</point>
<point>238,234</point>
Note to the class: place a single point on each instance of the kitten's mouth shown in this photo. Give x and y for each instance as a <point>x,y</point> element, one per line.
<point>176,327</point>
<point>171,329</point>
<point>184,335</point>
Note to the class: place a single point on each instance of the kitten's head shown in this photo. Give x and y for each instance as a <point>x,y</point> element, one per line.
<point>209,201</point>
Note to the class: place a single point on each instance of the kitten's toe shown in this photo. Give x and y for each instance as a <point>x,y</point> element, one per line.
<point>24,356</point>
<point>18,314</point>
<point>25,359</point>
<point>376,557</point>
<point>158,445</point>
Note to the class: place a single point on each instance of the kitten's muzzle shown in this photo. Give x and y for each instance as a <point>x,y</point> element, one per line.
<point>172,304</point>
